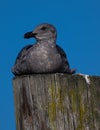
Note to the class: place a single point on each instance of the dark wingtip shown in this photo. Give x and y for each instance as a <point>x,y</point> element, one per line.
<point>28,35</point>
<point>72,71</point>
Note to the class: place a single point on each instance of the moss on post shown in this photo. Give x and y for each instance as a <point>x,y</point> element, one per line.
<point>57,102</point>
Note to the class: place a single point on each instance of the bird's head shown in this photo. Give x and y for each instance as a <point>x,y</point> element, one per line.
<point>42,32</point>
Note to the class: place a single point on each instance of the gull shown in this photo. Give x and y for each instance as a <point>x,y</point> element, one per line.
<point>44,56</point>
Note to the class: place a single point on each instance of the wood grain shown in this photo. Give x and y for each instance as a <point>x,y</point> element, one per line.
<point>56,102</point>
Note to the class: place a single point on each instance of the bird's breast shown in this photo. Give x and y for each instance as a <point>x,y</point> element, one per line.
<point>44,58</point>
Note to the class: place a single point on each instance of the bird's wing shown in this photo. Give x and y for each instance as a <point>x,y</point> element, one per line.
<point>65,65</point>
<point>61,51</point>
<point>23,53</point>
<point>62,54</point>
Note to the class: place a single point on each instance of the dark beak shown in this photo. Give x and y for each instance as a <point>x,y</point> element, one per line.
<point>29,35</point>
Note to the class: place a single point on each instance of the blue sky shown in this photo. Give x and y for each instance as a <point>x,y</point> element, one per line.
<point>78,26</point>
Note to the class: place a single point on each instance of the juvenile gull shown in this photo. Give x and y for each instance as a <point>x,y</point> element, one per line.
<point>44,56</point>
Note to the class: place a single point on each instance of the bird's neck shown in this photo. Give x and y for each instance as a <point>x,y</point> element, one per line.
<point>50,41</point>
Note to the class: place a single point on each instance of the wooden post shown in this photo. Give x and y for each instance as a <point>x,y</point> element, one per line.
<point>57,102</point>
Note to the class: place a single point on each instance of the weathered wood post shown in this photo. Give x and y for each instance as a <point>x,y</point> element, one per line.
<point>57,102</point>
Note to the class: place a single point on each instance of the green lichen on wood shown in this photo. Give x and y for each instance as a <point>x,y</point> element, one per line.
<point>56,102</point>
<point>75,91</point>
<point>64,102</point>
<point>76,96</point>
<point>73,97</point>
<point>52,104</point>
<point>95,102</point>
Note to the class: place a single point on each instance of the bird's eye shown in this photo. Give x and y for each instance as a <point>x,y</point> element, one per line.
<point>43,28</point>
